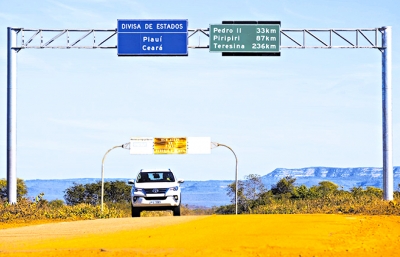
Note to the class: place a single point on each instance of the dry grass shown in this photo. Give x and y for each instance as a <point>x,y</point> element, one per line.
<point>27,212</point>
<point>362,202</point>
<point>334,205</point>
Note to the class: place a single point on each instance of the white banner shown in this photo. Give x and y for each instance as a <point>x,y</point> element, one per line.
<point>142,145</point>
<point>170,145</point>
<point>198,145</point>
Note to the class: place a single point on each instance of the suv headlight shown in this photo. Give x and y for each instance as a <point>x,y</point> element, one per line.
<point>174,188</point>
<point>139,190</point>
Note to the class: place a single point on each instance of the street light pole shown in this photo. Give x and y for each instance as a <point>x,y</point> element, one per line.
<point>236,176</point>
<point>102,174</point>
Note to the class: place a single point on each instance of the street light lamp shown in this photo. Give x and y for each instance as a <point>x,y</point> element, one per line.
<point>126,146</point>
<point>236,174</point>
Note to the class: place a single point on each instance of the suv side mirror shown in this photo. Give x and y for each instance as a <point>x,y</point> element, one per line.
<point>180,181</point>
<point>131,182</point>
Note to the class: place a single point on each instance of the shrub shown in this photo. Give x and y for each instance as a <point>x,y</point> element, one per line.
<point>114,192</point>
<point>21,189</point>
<point>56,203</point>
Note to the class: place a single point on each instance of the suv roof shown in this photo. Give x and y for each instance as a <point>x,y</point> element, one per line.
<point>155,170</point>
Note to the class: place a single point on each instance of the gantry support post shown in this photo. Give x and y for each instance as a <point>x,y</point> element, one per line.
<point>11,115</point>
<point>387,112</point>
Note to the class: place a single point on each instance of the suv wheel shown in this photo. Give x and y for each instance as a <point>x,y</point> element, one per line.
<point>135,212</point>
<point>177,211</point>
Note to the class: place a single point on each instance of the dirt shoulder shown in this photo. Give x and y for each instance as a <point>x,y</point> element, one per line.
<point>12,236</point>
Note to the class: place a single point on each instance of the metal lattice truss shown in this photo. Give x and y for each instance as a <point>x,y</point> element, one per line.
<point>290,38</point>
<point>65,38</point>
<point>321,38</point>
<point>332,38</point>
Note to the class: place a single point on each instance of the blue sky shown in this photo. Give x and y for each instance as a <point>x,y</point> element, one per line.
<point>313,107</point>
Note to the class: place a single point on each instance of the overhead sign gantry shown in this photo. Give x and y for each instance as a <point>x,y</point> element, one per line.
<point>170,38</point>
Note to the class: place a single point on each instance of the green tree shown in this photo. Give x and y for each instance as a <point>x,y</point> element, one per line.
<point>77,194</point>
<point>249,192</point>
<point>114,192</point>
<point>370,191</point>
<point>324,189</point>
<point>284,186</point>
<point>232,194</point>
<point>253,187</point>
<point>314,192</point>
<point>327,188</point>
<point>21,189</point>
<point>301,192</point>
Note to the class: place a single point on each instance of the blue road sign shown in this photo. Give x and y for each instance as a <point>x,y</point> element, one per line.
<point>152,37</point>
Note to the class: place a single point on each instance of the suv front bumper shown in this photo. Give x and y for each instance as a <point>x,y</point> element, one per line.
<point>149,201</point>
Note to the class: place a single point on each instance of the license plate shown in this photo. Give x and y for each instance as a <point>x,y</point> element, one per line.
<point>155,202</point>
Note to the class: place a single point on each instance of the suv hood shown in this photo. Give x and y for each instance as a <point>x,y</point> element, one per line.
<point>156,184</point>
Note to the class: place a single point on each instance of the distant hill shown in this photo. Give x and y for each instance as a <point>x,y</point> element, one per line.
<point>344,177</point>
<point>213,192</point>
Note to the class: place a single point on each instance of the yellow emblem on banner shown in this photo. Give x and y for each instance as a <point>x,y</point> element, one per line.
<point>170,145</point>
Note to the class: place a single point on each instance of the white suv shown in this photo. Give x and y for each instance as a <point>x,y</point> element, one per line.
<point>155,190</point>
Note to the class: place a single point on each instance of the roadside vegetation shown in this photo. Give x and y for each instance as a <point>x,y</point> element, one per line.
<point>27,210</point>
<point>83,201</point>
<point>326,197</point>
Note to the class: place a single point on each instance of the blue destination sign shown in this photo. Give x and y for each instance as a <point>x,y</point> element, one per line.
<point>152,37</point>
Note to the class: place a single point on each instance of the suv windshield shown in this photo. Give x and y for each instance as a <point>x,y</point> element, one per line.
<point>157,176</point>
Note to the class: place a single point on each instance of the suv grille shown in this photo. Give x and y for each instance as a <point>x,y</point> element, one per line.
<point>155,191</point>
<point>155,198</point>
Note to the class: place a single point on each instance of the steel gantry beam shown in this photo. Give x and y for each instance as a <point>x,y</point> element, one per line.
<point>373,38</point>
<point>65,38</point>
<point>102,38</point>
<point>320,38</point>
<point>332,38</point>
